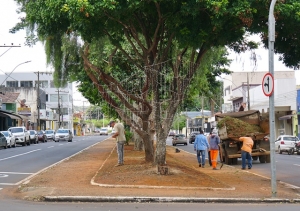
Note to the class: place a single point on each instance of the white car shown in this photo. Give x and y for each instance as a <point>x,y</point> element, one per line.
<point>63,135</point>
<point>103,131</point>
<point>50,134</point>
<point>21,134</point>
<point>285,142</point>
<point>10,139</point>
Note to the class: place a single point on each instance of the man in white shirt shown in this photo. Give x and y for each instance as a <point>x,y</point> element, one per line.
<point>121,139</point>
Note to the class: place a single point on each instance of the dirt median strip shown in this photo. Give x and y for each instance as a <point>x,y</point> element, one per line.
<point>96,165</point>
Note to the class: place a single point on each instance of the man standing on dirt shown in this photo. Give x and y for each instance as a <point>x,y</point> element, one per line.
<point>214,142</point>
<point>201,146</point>
<point>121,139</point>
<point>246,151</point>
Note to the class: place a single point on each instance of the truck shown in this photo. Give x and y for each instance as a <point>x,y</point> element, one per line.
<point>231,126</point>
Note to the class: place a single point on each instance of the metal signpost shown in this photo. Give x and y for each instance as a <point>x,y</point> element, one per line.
<point>271,29</point>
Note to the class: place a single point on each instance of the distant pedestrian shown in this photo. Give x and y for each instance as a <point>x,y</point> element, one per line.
<point>246,151</point>
<point>121,139</point>
<point>214,142</point>
<point>201,146</point>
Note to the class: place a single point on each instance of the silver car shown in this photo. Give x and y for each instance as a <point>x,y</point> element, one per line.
<point>63,135</point>
<point>50,134</point>
<point>10,139</point>
<point>179,139</point>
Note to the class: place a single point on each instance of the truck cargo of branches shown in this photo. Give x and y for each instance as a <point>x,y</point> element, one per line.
<point>232,126</point>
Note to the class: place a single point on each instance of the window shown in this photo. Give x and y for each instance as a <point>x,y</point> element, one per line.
<point>43,84</point>
<point>26,84</point>
<point>11,83</point>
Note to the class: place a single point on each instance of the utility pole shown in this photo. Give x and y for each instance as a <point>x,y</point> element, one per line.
<point>248,91</point>
<point>38,99</point>
<point>202,114</point>
<point>59,106</point>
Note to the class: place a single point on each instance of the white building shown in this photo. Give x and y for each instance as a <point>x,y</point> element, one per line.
<point>247,87</point>
<point>53,101</point>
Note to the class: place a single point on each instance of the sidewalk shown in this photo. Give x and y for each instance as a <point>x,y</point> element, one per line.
<point>90,176</point>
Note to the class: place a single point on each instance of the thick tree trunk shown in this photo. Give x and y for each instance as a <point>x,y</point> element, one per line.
<point>149,149</point>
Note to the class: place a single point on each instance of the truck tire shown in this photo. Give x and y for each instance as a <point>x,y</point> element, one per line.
<point>234,161</point>
<point>262,158</point>
<point>254,157</point>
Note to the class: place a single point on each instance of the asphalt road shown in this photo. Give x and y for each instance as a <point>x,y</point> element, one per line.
<point>287,166</point>
<point>62,206</point>
<point>18,163</point>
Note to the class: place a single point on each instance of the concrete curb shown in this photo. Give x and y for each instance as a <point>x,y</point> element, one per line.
<point>165,199</point>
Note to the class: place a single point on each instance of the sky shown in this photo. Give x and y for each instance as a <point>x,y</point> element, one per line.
<point>11,58</point>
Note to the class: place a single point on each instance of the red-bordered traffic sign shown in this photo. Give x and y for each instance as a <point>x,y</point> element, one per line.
<point>268,84</point>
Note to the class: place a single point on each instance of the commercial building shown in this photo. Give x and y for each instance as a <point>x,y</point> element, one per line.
<point>38,100</point>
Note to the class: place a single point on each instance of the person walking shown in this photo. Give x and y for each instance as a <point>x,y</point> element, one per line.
<point>201,146</point>
<point>121,139</point>
<point>246,151</point>
<point>214,142</point>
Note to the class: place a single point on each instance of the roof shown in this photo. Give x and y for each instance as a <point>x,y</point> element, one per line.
<point>238,114</point>
<point>193,114</point>
<point>9,97</point>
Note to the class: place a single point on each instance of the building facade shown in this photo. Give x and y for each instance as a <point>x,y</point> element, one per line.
<point>40,100</point>
<point>247,87</point>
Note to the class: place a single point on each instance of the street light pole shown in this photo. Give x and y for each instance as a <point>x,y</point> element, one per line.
<point>271,28</point>
<point>13,71</point>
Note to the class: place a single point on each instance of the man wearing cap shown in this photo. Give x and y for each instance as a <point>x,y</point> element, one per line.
<point>121,139</point>
<point>214,142</point>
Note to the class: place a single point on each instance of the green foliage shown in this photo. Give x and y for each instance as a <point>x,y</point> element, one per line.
<point>128,136</point>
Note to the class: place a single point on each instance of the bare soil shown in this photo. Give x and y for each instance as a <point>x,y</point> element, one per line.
<point>93,173</point>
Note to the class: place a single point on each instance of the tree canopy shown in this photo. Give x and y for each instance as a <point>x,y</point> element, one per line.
<point>141,55</point>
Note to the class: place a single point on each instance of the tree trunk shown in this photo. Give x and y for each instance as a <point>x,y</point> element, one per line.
<point>138,142</point>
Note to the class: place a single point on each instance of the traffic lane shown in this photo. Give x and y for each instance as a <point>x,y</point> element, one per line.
<point>17,167</point>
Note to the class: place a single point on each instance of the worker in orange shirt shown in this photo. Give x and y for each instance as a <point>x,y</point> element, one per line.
<point>246,151</point>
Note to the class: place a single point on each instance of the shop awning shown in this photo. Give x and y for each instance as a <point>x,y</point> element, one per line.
<point>285,117</point>
<point>10,115</point>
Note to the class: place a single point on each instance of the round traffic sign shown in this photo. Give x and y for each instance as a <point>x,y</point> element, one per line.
<point>268,84</point>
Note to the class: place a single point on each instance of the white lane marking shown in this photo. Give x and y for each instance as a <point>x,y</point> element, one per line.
<point>1,188</point>
<point>3,175</point>
<point>14,173</point>
<point>19,154</point>
<point>50,147</point>
<point>296,164</point>
<point>7,184</point>
<point>60,144</point>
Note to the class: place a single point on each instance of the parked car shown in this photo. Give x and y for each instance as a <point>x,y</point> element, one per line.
<point>21,134</point>
<point>285,142</point>
<point>179,139</point>
<point>103,131</point>
<point>3,142</point>
<point>33,137</point>
<point>50,134</point>
<point>42,136</point>
<point>171,133</point>
<point>10,139</point>
<point>192,136</point>
<point>63,135</point>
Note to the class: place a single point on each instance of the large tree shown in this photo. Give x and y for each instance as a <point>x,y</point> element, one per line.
<point>159,45</point>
